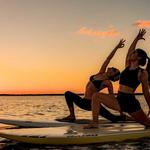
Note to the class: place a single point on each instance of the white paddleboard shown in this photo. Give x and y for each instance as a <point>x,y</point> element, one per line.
<point>41,123</point>
<point>75,134</point>
<point>32,124</point>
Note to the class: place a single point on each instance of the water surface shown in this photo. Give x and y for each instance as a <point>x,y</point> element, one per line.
<point>49,108</point>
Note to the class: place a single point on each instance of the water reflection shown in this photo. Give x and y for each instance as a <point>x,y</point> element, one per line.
<point>51,107</point>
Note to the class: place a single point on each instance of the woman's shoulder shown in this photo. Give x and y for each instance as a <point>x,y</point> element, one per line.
<point>107,82</point>
<point>142,70</point>
<point>143,74</point>
<point>91,77</point>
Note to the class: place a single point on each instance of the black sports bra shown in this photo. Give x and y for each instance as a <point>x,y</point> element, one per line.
<point>97,83</point>
<point>130,78</point>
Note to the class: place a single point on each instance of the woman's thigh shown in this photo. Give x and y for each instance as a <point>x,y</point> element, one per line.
<point>141,117</point>
<point>108,100</point>
<point>79,101</point>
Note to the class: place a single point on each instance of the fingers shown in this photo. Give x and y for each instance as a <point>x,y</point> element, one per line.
<point>142,38</point>
<point>141,33</point>
<point>122,40</point>
<point>121,43</point>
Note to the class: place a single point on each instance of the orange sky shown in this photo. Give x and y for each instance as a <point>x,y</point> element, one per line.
<point>54,46</point>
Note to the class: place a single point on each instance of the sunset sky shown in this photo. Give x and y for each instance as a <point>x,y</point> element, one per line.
<point>50,46</point>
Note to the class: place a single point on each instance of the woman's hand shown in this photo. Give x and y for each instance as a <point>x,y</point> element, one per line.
<point>110,56</point>
<point>121,44</point>
<point>141,34</point>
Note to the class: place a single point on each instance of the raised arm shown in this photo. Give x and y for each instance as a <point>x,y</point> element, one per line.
<point>134,43</point>
<point>106,62</point>
<point>110,88</point>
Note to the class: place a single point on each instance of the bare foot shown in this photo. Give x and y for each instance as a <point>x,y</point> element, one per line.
<point>128,118</point>
<point>91,126</point>
<point>67,119</point>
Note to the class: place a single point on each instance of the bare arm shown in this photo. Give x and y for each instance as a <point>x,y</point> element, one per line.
<point>110,88</point>
<point>133,45</point>
<point>145,86</point>
<point>107,61</point>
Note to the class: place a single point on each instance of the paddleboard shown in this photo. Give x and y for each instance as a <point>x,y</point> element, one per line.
<point>32,124</point>
<point>75,134</point>
<point>42,123</point>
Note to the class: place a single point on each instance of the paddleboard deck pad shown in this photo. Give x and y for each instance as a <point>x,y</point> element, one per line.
<point>75,134</point>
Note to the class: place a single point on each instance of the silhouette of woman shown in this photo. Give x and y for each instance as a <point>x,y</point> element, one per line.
<point>130,79</point>
<point>95,84</point>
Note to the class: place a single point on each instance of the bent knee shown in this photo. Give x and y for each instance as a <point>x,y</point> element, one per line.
<point>67,93</point>
<point>97,95</point>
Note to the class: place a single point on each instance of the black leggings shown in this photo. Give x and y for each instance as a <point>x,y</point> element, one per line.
<point>128,103</point>
<point>85,104</point>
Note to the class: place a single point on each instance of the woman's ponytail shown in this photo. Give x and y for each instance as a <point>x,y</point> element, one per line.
<point>148,68</point>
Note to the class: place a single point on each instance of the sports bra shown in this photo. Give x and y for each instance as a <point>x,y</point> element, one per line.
<point>130,77</point>
<point>97,83</point>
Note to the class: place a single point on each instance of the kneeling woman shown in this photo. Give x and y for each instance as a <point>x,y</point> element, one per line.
<point>130,79</point>
<point>96,83</point>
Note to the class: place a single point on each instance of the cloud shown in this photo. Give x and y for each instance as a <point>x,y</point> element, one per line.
<point>111,32</point>
<point>142,24</point>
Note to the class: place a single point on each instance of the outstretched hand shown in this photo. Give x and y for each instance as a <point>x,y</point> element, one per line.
<point>121,43</point>
<point>141,34</point>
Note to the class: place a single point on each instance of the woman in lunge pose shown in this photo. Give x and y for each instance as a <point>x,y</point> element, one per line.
<point>130,79</point>
<point>95,84</point>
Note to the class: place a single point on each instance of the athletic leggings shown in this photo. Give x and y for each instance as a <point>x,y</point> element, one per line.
<point>85,104</point>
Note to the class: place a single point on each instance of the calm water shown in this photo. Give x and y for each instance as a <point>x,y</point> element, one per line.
<point>48,108</point>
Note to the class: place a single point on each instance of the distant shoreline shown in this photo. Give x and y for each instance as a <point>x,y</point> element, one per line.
<point>34,94</point>
<point>31,94</point>
<point>47,94</point>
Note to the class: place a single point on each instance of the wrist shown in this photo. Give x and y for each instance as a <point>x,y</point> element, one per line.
<point>137,38</point>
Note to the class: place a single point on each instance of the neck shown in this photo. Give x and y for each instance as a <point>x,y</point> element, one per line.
<point>134,65</point>
<point>106,76</point>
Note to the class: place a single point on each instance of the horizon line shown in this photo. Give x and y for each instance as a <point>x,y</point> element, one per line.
<point>48,94</point>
